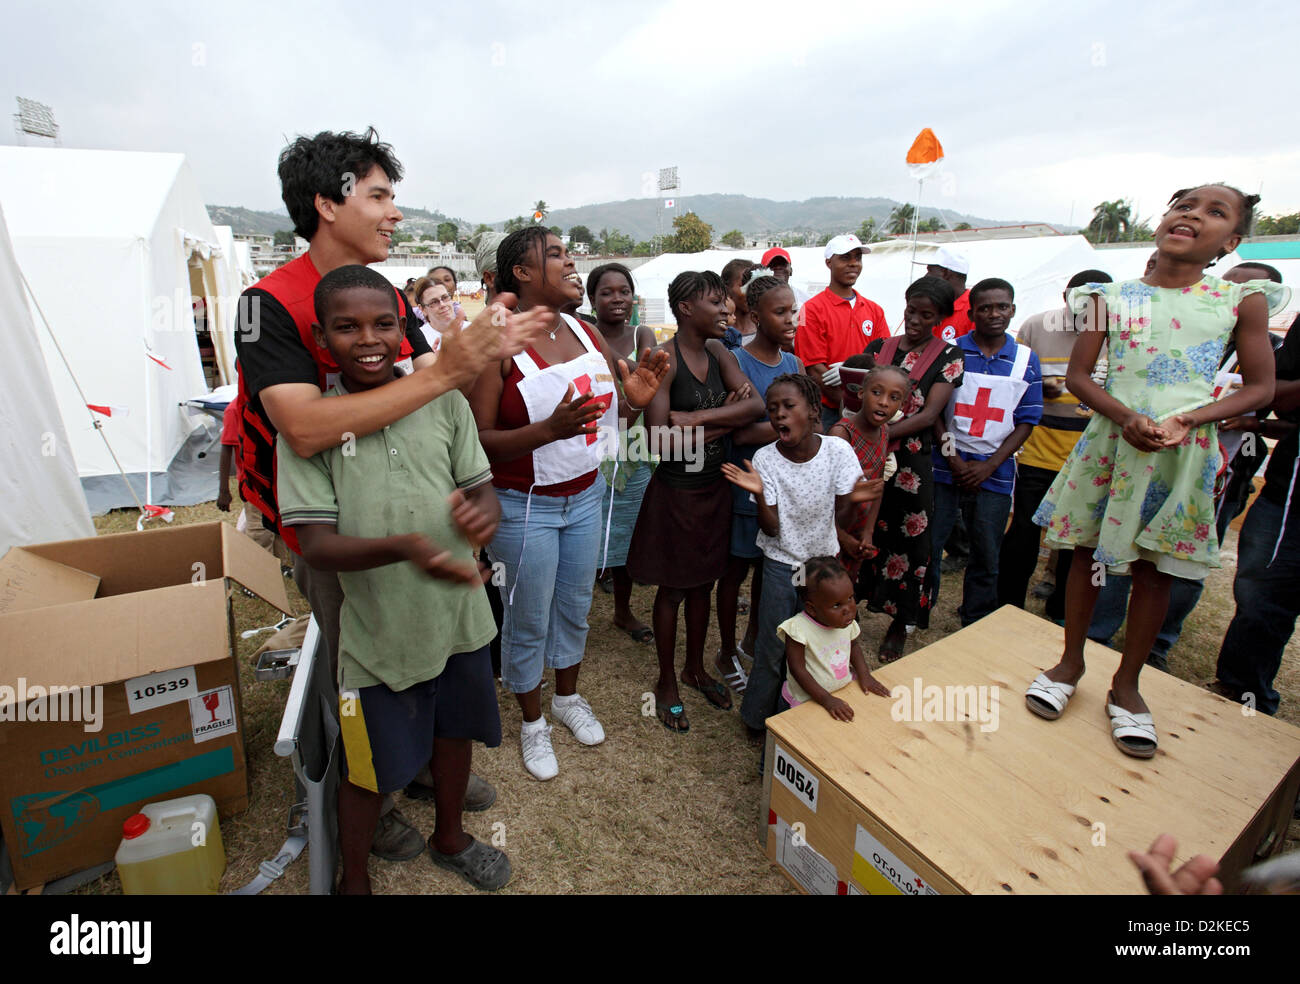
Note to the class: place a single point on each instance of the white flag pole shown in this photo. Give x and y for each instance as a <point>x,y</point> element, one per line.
<point>916,215</point>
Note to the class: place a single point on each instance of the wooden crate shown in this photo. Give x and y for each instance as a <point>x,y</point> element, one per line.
<point>1030,806</point>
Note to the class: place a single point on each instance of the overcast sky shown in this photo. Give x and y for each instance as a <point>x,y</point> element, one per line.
<point>1043,110</point>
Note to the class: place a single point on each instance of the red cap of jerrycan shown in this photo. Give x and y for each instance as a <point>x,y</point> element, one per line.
<point>134,825</point>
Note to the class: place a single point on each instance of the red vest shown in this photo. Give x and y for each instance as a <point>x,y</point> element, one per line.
<point>293,286</point>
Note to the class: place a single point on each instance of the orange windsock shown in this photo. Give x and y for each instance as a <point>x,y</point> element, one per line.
<point>925,156</point>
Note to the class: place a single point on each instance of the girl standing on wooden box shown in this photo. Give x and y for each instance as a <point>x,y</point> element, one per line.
<point>1137,493</point>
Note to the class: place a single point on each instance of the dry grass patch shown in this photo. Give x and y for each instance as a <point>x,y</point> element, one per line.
<point>646,812</point>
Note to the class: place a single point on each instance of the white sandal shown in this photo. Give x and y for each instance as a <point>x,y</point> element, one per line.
<point>737,679</point>
<point>1047,698</point>
<point>1133,734</point>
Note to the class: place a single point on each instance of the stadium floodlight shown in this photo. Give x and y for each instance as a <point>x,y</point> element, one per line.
<point>35,118</point>
<point>667,178</point>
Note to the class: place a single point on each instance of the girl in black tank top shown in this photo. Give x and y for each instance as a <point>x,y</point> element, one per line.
<point>683,531</point>
<point>687,393</point>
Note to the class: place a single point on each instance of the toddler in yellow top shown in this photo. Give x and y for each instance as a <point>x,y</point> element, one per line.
<point>822,653</point>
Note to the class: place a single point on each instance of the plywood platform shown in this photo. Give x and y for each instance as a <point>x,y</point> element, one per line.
<point>1013,803</point>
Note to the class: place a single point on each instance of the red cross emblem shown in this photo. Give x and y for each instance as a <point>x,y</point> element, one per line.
<point>979,412</point>
<point>583,385</point>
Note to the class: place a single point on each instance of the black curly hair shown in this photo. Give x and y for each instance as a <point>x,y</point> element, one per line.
<point>346,278</point>
<point>321,165</point>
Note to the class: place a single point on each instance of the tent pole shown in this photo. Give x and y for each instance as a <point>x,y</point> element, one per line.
<point>148,429</point>
<point>94,422</point>
<point>916,216</point>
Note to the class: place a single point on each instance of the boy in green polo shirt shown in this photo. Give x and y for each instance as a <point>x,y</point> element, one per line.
<point>414,670</point>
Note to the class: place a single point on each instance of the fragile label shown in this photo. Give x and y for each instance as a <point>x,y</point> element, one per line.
<point>806,866</point>
<point>879,872</point>
<point>794,778</point>
<point>212,713</point>
<point>144,693</point>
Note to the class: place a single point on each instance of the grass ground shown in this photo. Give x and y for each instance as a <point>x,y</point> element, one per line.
<point>646,812</point>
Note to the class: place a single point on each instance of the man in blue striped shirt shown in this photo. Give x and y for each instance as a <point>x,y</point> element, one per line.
<point>986,422</point>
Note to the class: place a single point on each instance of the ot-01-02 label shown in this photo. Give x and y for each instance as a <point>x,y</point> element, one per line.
<point>879,871</point>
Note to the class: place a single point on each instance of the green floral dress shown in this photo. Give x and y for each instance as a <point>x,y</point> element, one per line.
<point>1165,345</point>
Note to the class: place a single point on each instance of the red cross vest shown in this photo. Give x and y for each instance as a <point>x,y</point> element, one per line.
<point>543,389</point>
<point>980,414</point>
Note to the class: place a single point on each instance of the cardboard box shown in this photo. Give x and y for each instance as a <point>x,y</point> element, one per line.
<point>143,622</point>
<point>936,794</point>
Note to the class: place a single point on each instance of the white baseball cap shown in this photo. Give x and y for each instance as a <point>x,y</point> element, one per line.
<point>949,259</point>
<point>844,244</point>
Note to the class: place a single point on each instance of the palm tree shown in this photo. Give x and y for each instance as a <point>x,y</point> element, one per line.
<point>900,219</point>
<point>1110,220</point>
<point>542,207</point>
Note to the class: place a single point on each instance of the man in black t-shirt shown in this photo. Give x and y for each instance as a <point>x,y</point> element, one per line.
<point>338,189</point>
<point>1267,585</point>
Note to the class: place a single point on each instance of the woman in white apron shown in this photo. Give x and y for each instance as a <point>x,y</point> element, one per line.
<point>546,418</point>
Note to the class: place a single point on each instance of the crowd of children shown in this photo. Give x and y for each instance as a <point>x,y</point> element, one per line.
<point>810,450</point>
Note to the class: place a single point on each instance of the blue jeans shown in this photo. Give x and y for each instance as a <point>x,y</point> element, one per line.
<point>1112,608</point>
<point>1268,601</point>
<point>550,568</point>
<point>780,601</point>
<point>985,514</point>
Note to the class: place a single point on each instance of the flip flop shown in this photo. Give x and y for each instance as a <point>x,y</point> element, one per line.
<point>675,718</point>
<point>737,679</point>
<point>643,634</point>
<point>606,584</point>
<point>715,693</point>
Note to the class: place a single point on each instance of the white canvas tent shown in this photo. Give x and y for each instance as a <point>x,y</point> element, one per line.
<point>113,244</point>
<point>1038,268</point>
<point>40,497</point>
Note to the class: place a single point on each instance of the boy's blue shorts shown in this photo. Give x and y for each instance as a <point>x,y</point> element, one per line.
<point>388,734</point>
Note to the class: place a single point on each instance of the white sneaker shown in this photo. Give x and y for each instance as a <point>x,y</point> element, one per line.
<point>579,718</point>
<point>539,758</point>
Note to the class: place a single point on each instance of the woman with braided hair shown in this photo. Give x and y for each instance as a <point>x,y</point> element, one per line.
<point>682,531</point>
<point>541,416</point>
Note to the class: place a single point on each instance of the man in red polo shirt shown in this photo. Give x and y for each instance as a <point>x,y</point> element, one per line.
<point>837,323</point>
<point>338,189</point>
<point>950,265</point>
